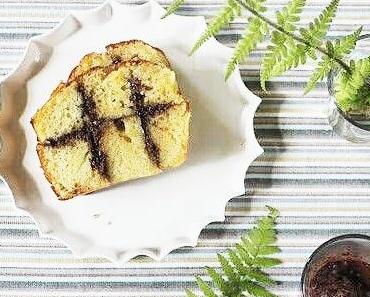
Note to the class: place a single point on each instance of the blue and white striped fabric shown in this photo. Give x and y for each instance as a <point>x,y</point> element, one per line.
<point>319,182</point>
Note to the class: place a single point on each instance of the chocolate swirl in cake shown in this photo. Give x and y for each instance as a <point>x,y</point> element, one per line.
<point>93,127</point>
<point>66,139</point>
<point>120,124</point>
<point>144,113</point>
<point>91,132</point>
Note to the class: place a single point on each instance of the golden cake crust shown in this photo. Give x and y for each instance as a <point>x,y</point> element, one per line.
<point>157,52</point>
<point>120,52</point>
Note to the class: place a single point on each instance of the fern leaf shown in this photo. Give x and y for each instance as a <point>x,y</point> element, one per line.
<point>242,269</point>
<point>250,246</point>
<point>258,5</point>
<point>236,261</point>
<point>173,7</point>
<point>258,276</point>
<point>297,53</point>
<point>227,268</point>
<point>287,19</point>
<point>223,18</point>
<point>254,238</point>
<point>190,293</point>
<point>289,15</point>
<point>352,90</point>
<point>260,236</point>
<point>273,213</point>
<point>253,34</point>
<point>320,26</point>
<point>265,262</point>
<point>218,280</point>
<point>318,29</point>
<point>345,45</point>
<point>243,254</point>
<point>266,224</point>
<point>257,291</point>
<point>268,250</point>
<point>341,48</point>
<point>318,75</point>
<point>205,288</point>
<point>268,236</point>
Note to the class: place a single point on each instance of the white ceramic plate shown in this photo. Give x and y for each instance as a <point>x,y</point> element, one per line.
<point>149,216</point>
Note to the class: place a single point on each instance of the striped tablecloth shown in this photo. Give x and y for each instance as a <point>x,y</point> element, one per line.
<point>319,182</point>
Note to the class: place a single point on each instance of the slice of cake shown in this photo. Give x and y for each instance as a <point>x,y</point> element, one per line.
<point>112,124</point>
<point>119,52</point>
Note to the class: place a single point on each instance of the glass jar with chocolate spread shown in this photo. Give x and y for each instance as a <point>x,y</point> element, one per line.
<point>339,268</point>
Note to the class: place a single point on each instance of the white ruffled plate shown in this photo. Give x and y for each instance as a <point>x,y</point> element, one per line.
<point>150,216</point>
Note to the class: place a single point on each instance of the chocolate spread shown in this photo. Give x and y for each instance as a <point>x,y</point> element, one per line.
<point>341,278</point>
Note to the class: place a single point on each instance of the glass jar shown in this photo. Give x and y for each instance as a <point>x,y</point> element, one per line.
<point>351,126</point>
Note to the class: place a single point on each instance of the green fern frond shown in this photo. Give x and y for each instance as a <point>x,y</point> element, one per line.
<point>190,293</point>
<point>241,272</point>
<point>223,18</point>
<point>287,51</point>
<point>318,75</point>
<point>286,19</point>
<point>205,288</point>
<point>318,29</point>
<point>172,8</point>
<point>257,5</point>
<point>257,291</point>
<point>254,33</point>
<point>352,89</point>
<point>340,49</point>
<point>298,53</point>
<point>289,15</point>
<point>258,276</point>
<point>345,45</point>
<point>218,280</point>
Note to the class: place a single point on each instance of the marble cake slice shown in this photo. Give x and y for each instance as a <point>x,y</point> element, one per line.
<point>119,52</point>
<point>110,125</point>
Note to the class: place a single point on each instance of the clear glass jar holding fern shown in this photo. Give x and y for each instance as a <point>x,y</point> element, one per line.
<point>290,46</point>
<point>349,115</point>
